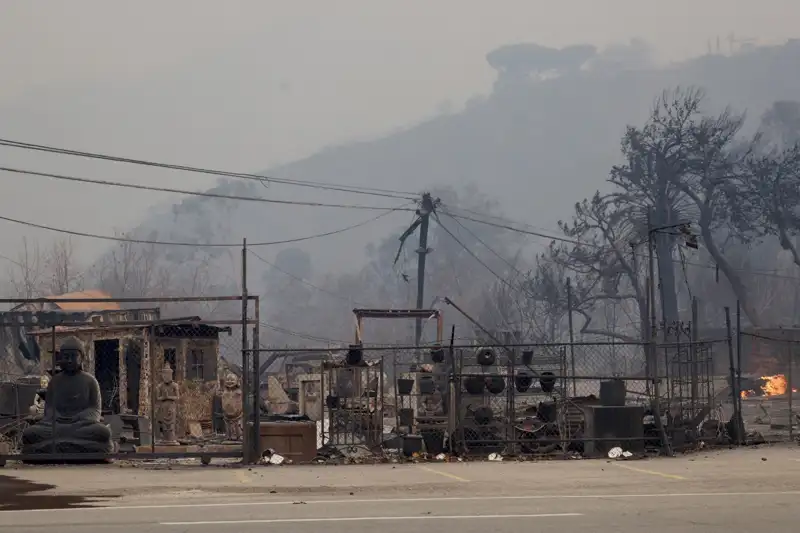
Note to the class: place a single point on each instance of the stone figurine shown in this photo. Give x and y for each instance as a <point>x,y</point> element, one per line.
<point>167,395</point>
<point>232,407</point>
<point>36,409</point>
<point>71,422</point>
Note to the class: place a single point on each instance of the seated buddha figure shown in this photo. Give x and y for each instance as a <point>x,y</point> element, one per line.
<point>71,419</point>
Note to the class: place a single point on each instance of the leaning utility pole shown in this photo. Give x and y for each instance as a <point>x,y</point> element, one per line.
<point>426,207</point>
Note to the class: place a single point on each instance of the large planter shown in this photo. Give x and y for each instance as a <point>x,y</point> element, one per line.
<point>332,402</point>
<point>412,444</point>
<point>547,382</point>
<point>495,384</point>
<point>474,385</point>
<point>527,357</point>
<point>354,355</point>
<point>405,386</point>
<point>483,415</point>
<point>523,381</point>
<point>405,417</point>
<point>437,354</point>
<point>427,385</point>
<point>486,357</point>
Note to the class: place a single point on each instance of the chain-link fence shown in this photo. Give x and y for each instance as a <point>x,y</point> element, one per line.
<point>767,384</point>
<point>122,379</point>
<point>514,399</point>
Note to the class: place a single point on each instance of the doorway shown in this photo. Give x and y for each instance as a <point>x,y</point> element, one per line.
<point>133,373</point>
<point>106,371</point>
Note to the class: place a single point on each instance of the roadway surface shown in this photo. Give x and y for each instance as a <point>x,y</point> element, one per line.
<point>732,491</point>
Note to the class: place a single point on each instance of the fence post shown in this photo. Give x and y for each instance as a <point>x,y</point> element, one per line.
<point>151,354</point>
<point>571,336</point>
<point>52,375</point>
<point>452,404</point>
<point>737,417</point>
<point>247,445</point>
<point>790,389</point>
<point>739,367</point>
<point>256,357</point>
<point>694,356</point>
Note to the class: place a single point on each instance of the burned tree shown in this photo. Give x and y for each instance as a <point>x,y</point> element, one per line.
<point>770,196</point>
<point>606,270</point>
<point>686,165</point>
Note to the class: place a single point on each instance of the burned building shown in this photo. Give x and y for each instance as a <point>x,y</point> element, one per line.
<point>125,350</point>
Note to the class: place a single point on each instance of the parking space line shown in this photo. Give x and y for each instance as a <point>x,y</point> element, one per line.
<point>445,474</point>
<point>651,472</point>
<point>369,519</point>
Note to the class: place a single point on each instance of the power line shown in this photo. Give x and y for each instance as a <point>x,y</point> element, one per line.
<point>195,244</point>
<point>193,193</point>
<point>478,259</point>
<point>297,334</point>
<point>301,280</point>
<point>472,234</point>
<point>241,175</point>
<point>592,245</point>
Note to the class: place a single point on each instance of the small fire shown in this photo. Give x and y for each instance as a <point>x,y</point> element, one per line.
<point>747,393</point>
<point>775,385</point>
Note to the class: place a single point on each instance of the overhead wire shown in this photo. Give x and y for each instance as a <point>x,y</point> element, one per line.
<point>196,244</point>
<point>592,245</point>
<point>301,335</point>
<point>372,191</point>
<point>483,243</point>
<point>301,280</point>
<point>475,256</point>
<point>192,193</point>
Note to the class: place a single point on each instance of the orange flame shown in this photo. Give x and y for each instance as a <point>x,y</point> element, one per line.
<point>747,393</point>
<point>774,385</point>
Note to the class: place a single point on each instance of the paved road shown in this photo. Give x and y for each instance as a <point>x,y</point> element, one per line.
<point>742,490</point>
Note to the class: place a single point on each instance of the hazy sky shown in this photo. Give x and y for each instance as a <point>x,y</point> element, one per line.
<point>243,85</point>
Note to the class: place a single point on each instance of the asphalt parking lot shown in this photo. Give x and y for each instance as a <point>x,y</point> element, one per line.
<point>734,490</point>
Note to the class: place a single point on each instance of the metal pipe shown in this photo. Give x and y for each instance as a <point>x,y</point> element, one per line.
<point>52,375</point>
<point>152,360</point>
<point>379,347</point>
<point>571,335</point>
<point>256,386</point>
<point>247,446</point>
<point>162,299</point>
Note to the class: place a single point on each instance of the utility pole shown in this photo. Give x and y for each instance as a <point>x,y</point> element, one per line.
<point>427,206</point>
<point>652,276</point>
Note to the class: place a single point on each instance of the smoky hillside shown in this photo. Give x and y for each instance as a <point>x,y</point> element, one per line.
<point>545,138</point>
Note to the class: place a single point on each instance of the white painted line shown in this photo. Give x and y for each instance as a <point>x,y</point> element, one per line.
<point>367,519</point>
<point>416,500</point>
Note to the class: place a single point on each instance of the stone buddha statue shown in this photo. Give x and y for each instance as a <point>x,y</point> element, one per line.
<point>71,419</point>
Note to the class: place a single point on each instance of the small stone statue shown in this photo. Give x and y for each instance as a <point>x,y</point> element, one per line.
<point>232,407</point>
<point>167,394</point>
<point>71,419</point>
<point>36,410</point>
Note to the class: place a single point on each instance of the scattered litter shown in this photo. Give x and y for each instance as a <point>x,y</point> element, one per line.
<point>615,453</point>
<point>495,457</point>
<point>276,459</point>
<point>626,454</point>
<point>441,457</point>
